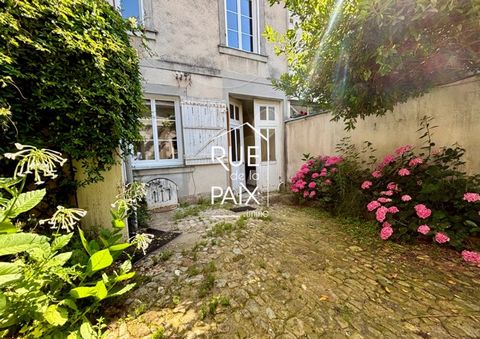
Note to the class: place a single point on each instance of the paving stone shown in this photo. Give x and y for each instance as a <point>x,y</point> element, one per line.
<point>300,275</point>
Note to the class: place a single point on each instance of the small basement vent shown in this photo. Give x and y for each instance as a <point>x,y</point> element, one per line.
<point>162,194</point>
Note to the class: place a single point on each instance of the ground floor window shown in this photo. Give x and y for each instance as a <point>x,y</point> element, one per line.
<point>160,144</point>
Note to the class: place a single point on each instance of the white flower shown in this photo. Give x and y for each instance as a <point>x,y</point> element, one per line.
<point>65,218</point>
<point>142,241</point>
<point>40,162</point>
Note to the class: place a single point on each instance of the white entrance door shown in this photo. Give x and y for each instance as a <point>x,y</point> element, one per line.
<point>237,154</point>
<point>268,142</point>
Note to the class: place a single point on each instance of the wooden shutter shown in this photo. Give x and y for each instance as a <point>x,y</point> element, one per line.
<point>204,126</point>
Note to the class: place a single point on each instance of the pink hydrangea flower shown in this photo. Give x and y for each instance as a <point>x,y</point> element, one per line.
<point>403,149</point>
<point>381,213</point>
<point>393,210</point>
<point>366,185</point>
<point>422,211</point>
<point>333,170</point>
<point>328,182</point>
<point>294,189</point>
<point>333,161</point>
<point>471,257</point>
<point>423,229</point>
<point>386,224</point>
<point>387,193</point>
<point>312,185</point>
<point>392,186</point>
<point>305,194</point>
<point>406,198</point>
<point>384,200</point>
<point>471,197</point>
<point>441,238</point>
<point>323,172</point>
<point>403,172</point>
<point>312,194</point>
<point>386,233</point>
<point>315,175</point>
<point>373,205</point>
<point>388,160</point>
<point>415,162</point>
<point>376,174</point>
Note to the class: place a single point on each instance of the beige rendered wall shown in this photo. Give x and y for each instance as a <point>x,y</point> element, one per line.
<point>97,198</point>
<point>455,107</point>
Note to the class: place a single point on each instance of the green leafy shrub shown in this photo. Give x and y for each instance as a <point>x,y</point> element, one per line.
<point>70,79</point>
<point>47,291</point>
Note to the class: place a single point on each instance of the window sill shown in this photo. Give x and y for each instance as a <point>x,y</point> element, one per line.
<point>242,54</point>
<point>155,165</point>
<point>150,34</point>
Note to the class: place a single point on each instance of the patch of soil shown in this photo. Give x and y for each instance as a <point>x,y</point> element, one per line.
<point>161,238</point>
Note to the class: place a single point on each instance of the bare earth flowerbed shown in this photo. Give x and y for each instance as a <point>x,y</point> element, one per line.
<point>300,275</point>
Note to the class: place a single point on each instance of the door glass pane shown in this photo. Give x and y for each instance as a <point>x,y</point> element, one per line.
<point>233,39</point>
<point>166,128</point>
<point>232,21</point>
<point>271,113</point>
<point>130,8</point>
<point>233,142</point>
<point>239,143</point>
<point>237,113</point>
<point>271,144</point>
<point>232,5</point>
<point>263,113</point>
<point>263,144</point>
<point>232,112</point>
<point>144,149</point>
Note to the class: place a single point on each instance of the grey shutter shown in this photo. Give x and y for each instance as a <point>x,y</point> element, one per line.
<point>204,126</point>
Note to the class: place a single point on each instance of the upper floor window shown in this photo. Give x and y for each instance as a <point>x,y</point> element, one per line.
<point>240,20</point>
<point>130,8</point>
<point>160,132</point>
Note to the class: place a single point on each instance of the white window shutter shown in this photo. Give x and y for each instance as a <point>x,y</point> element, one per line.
<point>204,126</point>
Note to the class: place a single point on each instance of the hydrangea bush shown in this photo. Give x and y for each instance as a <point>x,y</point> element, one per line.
<point>425,194</point>
<point>414,194</point>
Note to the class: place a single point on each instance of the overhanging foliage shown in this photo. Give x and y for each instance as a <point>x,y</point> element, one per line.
<point>70,79</point>
<point>361,57</point>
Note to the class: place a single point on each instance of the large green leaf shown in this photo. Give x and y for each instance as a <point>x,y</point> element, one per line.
<point>3,303</point>
<point>56,315</point>
<point>83,292</point>
<point>7,226</point>
<point>25,202</point>
<point>99,260</point>
<point>59,260</point>
<point>101,292</point>
<point>84,242</point>
<point>20,242</point>
<point>61,241</point>
<point>125,276</point>
<point>86,331</point>
<point>119,247</point>
<point>119,291</point>
<point>9,272</point>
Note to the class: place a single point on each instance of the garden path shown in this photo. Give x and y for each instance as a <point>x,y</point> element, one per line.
<point>300,275</point>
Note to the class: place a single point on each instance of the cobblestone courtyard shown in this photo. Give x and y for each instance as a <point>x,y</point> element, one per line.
<point>301,274</point>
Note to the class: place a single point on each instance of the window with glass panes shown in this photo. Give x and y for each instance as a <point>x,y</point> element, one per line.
<point>159,133</point>
<point>240,21</point>
<point>130,8</point>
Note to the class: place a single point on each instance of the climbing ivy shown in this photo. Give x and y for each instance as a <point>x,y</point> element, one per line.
<point>361,57</point>
<point>69,79</point>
